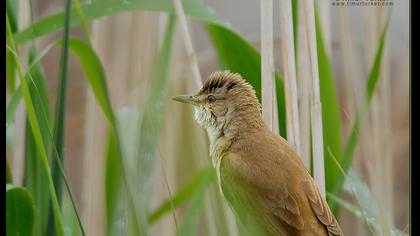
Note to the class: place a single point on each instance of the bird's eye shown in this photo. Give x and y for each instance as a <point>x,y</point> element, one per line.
<point>211,98</point>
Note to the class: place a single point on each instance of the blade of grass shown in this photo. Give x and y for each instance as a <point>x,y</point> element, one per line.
<point>239,56</point>
<point>59,120</point>
<point>41,102</point>
<point>36,130</point>
<point>189,224</point>
<point>356,211</point>
<point>183,194</point>
<point>344,174</point>
<point>85,54</point>
<point>82,17</point>
<point>96,78</point>
<point>10,72</point>
<point>19,211</point>
<point>71,225</point>
<point>35,70</point>
<point>95,74</point>
<point>41,107</point>
<point>371,85</point>
<point>35,182</point>
<point>34,179</point>
<point>11,7</point>
<point>367,208</point>
<point>113,183</point>
<point>150,122</point>
<point>127,124</point>
<point>36,76</point>
<point>165,178</point>
<point>93,70</point>
<point>98,9</point>
<point>12,105</point>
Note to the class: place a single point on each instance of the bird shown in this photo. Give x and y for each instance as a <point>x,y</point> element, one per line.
<point>259,173</point>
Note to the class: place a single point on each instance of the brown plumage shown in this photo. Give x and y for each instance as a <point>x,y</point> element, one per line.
<point>259,173</point>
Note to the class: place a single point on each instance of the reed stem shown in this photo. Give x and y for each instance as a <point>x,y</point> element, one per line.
<point>316,107</point>
<point>192,57</point>
<point>303,83</point>
<point>267,62</point>
<point>289,73</point>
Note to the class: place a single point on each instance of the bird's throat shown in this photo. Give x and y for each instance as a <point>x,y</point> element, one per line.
<point>216,139</point>
<point>223,131</point>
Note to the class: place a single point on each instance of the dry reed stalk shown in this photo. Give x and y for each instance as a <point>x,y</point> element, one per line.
<point>316,107</point>
<point>303,83</point>
<point>267,62</point>
<point>348,65</point>
<point>353,86</point>
<point>181,121</point>
<point>213,201</point>
<point>17,164</point>
<point>385,86</point>
<point>92,204</point>
<point>193,62</point>
<point>93,167</point>
<point>353,80</point>
<point>127,68</point>
<point>192,58</point>
<point>380,159</point>
<point>171,150</point>
<point>178,154</point>
<point>289,73</point>
<point>276,127</point>
<point>165,174</point>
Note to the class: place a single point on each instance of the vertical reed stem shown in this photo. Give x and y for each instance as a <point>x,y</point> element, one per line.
<point>267,62</point>
<point>18,161</point>
<point>353,86</point>
<point>316,108</point>
<point>379,161</point>
<point>188,43</point>
<point>198,82</point>
<point>385,87</point>
<point>303,82</point>
<point>289,73</point>
<point>381,130</point>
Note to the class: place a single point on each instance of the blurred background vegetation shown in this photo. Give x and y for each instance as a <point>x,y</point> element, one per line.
<point>96,146</point>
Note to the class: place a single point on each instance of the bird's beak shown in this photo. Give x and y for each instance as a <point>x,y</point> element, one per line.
<point>189,99</point>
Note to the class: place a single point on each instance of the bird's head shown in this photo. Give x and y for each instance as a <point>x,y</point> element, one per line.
<point>224,98</point>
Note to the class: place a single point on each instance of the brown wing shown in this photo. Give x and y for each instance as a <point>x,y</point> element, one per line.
<point>320,208</point>
<point>285,209</point>
<point>270,201</point>
<point>289,199</point>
